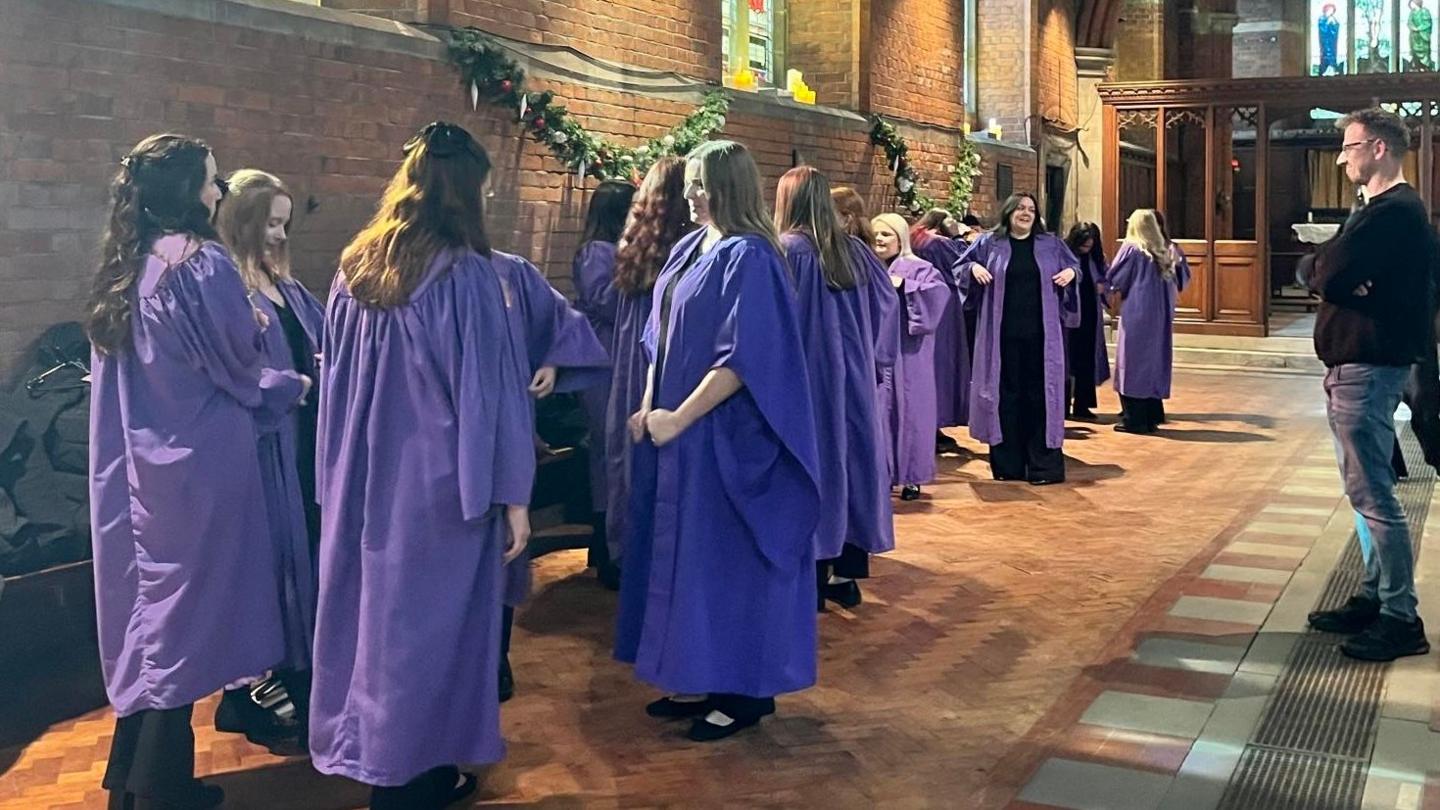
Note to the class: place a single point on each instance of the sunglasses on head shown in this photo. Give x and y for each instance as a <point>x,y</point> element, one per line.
<point>443,140</point>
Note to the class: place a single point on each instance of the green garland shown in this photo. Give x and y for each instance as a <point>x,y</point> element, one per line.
<point>489,74</point>
<point>907,180</point>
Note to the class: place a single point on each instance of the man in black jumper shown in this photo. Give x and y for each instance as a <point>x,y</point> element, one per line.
<point>1375,283</point>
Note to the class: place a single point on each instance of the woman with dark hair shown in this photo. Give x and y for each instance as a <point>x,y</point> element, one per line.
<point>1021,279</point>
<point>932,242</point>
<point>851,208</point>
<point>593,272</point>
<point>426,463</point>
<point>726,485</point>
<point>1088,362</point>
<point>907,390</point>
<point>659,218</point>
<point>186,594</point>
<point>848,327</point>
<point>1147,277</point>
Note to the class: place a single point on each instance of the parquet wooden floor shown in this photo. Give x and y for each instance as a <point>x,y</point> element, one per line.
<point>998,598</point>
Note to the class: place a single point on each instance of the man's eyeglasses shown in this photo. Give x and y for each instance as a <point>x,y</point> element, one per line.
<point>1347,147</point>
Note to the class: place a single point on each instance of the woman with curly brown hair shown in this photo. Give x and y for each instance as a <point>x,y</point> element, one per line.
<point>659,217</point>
<point>185,587</point>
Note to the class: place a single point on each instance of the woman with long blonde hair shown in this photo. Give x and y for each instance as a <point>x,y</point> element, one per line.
<point>1147,275</point>
<point>847,323</point>
<point>725,477</point>
<point>254,220</point>
<point>426,463</point>
<point>907,390</point>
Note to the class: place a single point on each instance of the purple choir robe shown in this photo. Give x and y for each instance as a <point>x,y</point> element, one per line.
<point>1085,274</point>
<point>185,590</point>
<point>1059,311</point>
<point>731,504</point>
<point>627,388</point>
<point>1145,343</point>
<point>593,272</point>
<point>849,335</point>
<point>953,364</point>
<point>552,333</point>
<point>907,391</point>
<point>425,435</point>
<point>284,498</point>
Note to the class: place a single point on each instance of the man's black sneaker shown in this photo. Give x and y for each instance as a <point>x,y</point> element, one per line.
<point>1356,615</point>
<point>1387,639</point>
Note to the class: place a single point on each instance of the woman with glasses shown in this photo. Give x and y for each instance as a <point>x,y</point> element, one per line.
<point>185,588</point>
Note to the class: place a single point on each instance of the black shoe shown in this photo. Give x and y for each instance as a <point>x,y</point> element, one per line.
<point>745,712</point>
<point>945,444</point>
<point>667,709</point>
<point>1354,616</point>
<point>1083,415</point>
<point>844,594</point>
<point>1124,428</point>
<point>238,713</point>
<point>609,576</point>
<point>1043,481</point>
<point>466,785</point>
<point>999,477</point>
<point>1387,639</point>
<point>910,492</point>
<point>507,680</point>
<point>196,796</point>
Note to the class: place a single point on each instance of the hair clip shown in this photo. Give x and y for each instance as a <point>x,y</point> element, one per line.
<point>127,161</point>
<point>442,140</point>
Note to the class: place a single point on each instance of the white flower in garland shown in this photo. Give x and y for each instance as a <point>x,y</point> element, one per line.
<point>559,137</point>
<point>904,184</point>
<point>719,124</point>
<point>668,141</point>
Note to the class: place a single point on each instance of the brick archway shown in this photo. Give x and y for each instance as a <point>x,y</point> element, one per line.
<point>1095,23</point>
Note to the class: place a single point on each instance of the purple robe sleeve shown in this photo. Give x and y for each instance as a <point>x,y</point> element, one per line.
<point>1182,268</point>
<point>970,292</point>
<point>926,296</point>
<point>483,374</point>
<point>1122,272</point>
<point>1070,293</point>
<point>884,309</point>
<point>209,309</point>
<point>558,335</point>
<point>594,274</point>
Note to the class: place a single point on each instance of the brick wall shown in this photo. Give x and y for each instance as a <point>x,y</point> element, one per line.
<point>1140,41</point>
<point>1001,81</point>
<point>825,46</point>
<point>1271,38</point>
<point>1056,83</point>
<point>917,59</point>
<point>81,81</point>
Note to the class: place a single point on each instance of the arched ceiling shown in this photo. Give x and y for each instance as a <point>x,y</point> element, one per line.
<point>1095,22</point>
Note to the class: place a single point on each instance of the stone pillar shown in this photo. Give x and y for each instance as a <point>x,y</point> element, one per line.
<point>1093,66</point>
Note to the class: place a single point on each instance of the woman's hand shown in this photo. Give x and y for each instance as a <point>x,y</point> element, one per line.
<point>543,384</point>
<point>305,385</point>
<point>636,423</point>
<point>517,518</point>
<point>663,426</point>
<point>1064,277</point>
<point>897,281</point>
<point>980,274</point>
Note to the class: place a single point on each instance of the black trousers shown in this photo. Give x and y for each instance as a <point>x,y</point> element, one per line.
<point>1023,453</point>
<point>853,563</point>
<point>153,754</point>
<point>1143,414</point>
<point>1080,384</point>
<point>1422,396</point>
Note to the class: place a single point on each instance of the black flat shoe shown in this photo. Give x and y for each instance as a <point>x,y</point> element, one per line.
<point>1139,431</point>
<point>507,680</point>
<point>744,712</point>
<point>1083,415</point>
<point>945,444</point>
<point>1045,482</point>
<point>1387,639</point>
<point>1352,617</point>
<point>910,492</point>
<point>238,713</point>
<point>467,785</point>
<point>667,709</point>
<point>844,594</point>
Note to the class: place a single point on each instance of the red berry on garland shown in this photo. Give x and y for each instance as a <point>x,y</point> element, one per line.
<point>539,123</point>
<point>506,86</point>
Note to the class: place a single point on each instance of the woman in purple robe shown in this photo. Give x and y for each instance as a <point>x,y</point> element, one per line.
<point>1147,276</point>
<point>907,390</point>
<point>659,217</point>
<point>1087,364</point>
<point>1020,279</point>
<point>593,272</point>
<point>847,325</point>
<point>933,239</point>
<point>185,589</point>
<point>426,462</point>
<point>253,220</point>
<point>725,477</point>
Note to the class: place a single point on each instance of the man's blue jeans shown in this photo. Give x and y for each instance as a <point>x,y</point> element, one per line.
<point>1360,403</point>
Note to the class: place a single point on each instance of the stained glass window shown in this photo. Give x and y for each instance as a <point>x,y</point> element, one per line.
<point>751,40</point>
<point>1373,36</point>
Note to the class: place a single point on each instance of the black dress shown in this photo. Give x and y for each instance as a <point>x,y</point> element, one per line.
<point>1081,344</point>
<point>1023,453</point>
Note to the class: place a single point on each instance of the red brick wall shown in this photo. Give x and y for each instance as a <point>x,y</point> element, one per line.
<point>1056,83</point>
<point>823,46</point>
<point>1140,41</point>
<point>917,59</point>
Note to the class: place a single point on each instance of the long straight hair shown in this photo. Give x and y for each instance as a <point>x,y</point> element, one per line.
<point>242,219</point>
<point>1077,236</point>
<point>434,201</point>
<point>156,191</point>
<point>803,206</point>
<point>605,218</point>
<point>896,223</point>
<point>851,207</point>
<point>1143,231</point>
<point>731,180</point>
<point>1012,204</point>
<point>659,217</point>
